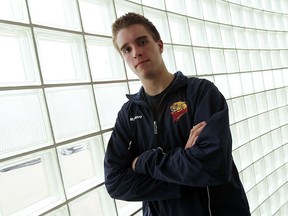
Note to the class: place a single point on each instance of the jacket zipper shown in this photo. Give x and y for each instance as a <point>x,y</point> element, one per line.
<point>209,201</point>
<point>155,127</point>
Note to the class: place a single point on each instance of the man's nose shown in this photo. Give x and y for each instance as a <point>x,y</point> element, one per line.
<point>137,52</point>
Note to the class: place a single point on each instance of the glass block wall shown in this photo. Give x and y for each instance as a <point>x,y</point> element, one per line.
<point>62,84</point>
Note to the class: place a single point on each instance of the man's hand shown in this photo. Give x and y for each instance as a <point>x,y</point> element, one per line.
<point>134,163</point>
<point>194,133</point>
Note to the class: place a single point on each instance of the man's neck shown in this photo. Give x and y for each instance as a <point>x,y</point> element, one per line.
<point>158,84</point>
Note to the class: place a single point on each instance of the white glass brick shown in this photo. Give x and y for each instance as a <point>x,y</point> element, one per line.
<point>253,199</point>
<point>254,128</point>
<point>18,61</point>
<point>72,111</point>
<point>123,7</point>
<point>62,211</point>
<point>221,81</point>
<point>238,105</point>
<point>104,60</point>
<point>248,17</point>
<point>240,38</point>
<point>284,58</point>
<point>156,4</point>
<point>65,13</point>
<point>263,191</point>
<point>168,57</point>
<point>270,169</point>
<point>247,83</point>
<point>259,19</point>
<point>176,6</point>
<point>96,202</point>
<point>278,79</point>
<point>263,39</point>
<point>268,80</point>
<point>213,35</point>
<point>266,60</point>
<point>235,86</point>
<point>251,105</point>
<point>277,139</point>
<point>231,59</point>
<point>209,10</point>
<point>260,171</point>
<point>198,32</point>
<point>248,178</point>
<point>194,8</point>
<point>36,176</point>
<point>160,20</point>
<point>271,99</point>
<point>264,123</point>
<point>223,12</point>
<point>62,56</point>
<point>24,122</point>
<point>184,60</point>
<point>258,81</point>
<point>81,165</point>
<point>14,10</point>
<point>202,61</point>
<point>236,15</point>
<point>179,29</point>
<point>105,93</point>
<point>245,156</point>
<point>276,59</point>
<point>227,36</point>
<point>255,60</point>
<point>252,39</point>
<point>97,16</point>
<point>274,119</point>
<point>217,61</point>
<point>267,145</point>
<point>256,149</point>
<point>244,60</point>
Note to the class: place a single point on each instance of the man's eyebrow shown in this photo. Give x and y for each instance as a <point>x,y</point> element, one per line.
<point>136,40</point>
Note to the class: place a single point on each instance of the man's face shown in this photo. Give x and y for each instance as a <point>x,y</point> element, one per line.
<point>140,51</point>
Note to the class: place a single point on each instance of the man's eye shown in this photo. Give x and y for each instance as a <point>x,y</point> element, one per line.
<point>143,42</point>
<point>126,50</point>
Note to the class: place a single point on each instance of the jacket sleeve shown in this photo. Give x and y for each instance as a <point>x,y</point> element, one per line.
<point>209,161</point>
<point>121,181</point>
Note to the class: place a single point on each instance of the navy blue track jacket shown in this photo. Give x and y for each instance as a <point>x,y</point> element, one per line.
<point>170,180</point>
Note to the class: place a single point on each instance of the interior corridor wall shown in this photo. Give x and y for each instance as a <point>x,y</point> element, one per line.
<point>62,84</point>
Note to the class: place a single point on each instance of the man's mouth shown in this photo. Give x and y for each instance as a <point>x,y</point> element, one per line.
<point>140,63</point>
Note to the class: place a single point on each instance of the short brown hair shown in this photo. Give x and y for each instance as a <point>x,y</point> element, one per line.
<point>133,18</point>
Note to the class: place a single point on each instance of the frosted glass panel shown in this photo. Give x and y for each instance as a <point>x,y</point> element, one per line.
<point>194,8</point>
<point>157,4</point>
<point>176,6</point>
<point>198,32</point>
<point>72,111</point>
<point>24,122</point>
<point>81,165</point>
<point>18,62</point>
<point>202,61</point>
<point>30,185</point>
<point>64,13</point>
<point>97,16</point>
<point>179,29</point>
<point>105,94</point>
<point>104,60</point>
<point>14,10</point>
<point>62,57</point>
<point>160,20</point>
<point>184,60</point>
<point>96,202</point>
<point>217,61</point>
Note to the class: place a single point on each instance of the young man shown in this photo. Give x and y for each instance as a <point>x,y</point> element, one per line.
<point>171,144</point>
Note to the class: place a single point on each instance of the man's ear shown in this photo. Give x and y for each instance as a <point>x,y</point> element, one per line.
<point>160,45</point>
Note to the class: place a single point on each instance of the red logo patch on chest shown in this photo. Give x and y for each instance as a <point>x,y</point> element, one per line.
<point>178,109</point>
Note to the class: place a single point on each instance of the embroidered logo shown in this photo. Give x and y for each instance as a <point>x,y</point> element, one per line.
<point>135,118</point>
<point>178,109</point>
